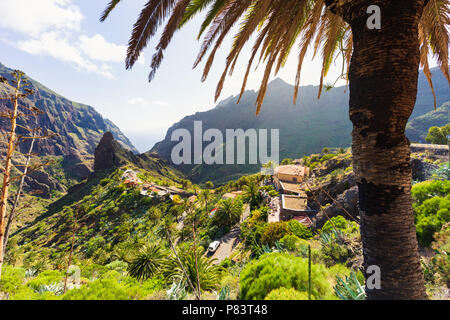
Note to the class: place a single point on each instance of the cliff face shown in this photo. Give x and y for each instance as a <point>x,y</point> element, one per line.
<point>109,154</point>
<point>79,127</point>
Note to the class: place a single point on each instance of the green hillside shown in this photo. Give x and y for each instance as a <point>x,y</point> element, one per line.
<point>417,129</point>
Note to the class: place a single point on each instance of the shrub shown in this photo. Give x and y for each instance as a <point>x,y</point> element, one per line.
<point>300,230</point>
<point>289,242</point>
<point>340,223</point>
<point>12,279</point>
<point>111,287</point>
<point>274,232</point>
<point>286,294</point>
<point>431,208</point>
<point>333,253</point>
<point>46,278</point>
<point>281,270</point>
<point>105,181</point>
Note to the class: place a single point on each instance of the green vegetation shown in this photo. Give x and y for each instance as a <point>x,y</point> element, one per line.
<point>280,270</point>
<point>431,208</point>
<point>438,135</point>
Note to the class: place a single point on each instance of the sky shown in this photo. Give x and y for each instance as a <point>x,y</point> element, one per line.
<point>62,44</point>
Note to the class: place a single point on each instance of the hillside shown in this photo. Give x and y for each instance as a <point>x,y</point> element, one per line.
<point>417,129</point>
<point>109,156</point>
<point>79,127</point>
<point>305,128</point>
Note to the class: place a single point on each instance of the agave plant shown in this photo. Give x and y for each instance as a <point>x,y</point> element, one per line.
<point>224,293</point>
<point>57,288</point>
<point>332,236</point>
<point>263,249</point>
<point>349,288</point>
<point>30,273</point>
<point>177,291</point>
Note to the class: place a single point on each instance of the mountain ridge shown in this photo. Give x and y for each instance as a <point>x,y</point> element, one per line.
<point>305,128</point>
<point>78,125</point>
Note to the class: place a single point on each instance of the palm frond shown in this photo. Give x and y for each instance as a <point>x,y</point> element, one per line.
<point>110,7</point>
<point>153,14</point>
<point>279,25</point>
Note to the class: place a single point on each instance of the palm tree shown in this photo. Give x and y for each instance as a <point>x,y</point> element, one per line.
<point>201,270</point>
<point>204,197</point>
<point>251,193</point>
<point>381,66</point>
<point>228,212</point>
<point>147,263</point>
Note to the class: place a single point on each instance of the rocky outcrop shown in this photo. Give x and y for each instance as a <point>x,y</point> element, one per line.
<point>422,170</point>
<point>105,155</point>
<point>40,183</point>
<point>348,200</point>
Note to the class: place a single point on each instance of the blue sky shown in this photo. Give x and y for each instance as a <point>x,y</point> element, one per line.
<point>62,44</point>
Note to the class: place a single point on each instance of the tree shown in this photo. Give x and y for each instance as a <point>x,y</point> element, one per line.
<point>438,135</point>
<point>204,197</point>
<point>209,185</point>
<point>16,90</point>
<point>228,213</point>
<point>381,43</point>
<point>251,194</point>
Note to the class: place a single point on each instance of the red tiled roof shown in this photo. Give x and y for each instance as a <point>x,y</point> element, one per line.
<point>306,221</point>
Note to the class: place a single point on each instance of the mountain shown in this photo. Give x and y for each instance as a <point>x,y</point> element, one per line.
<point>110,154</point>
<point>417,129</point>
<point>304,128</point>
<point>79,127</point>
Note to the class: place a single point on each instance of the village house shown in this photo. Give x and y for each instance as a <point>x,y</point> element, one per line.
<point>295,207</point>
<point>293,201</point>
<point>287,178</point>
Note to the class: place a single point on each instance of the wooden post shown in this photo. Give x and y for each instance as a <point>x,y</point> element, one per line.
<point>309,272</point>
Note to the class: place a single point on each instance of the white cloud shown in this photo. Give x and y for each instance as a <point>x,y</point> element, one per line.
<point>137,101</point>
<point>59,47</point>
<point>35,17</point>
<point>97,48</point>
<point>52,28</point>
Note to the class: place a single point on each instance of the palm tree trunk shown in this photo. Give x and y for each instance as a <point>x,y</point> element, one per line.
<point>383,87</point>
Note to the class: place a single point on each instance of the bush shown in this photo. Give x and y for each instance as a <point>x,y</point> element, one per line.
<point>112,286</point>
<point>300,230</point>
<point>431,208</point>
<point>274,232</point>
<point>289,242</point>
<point>281,270</point>
<point>286,294</point>
<point>333,253</point>
<point>340,223</point>
<point>46,278</point>
<point>12,279</point>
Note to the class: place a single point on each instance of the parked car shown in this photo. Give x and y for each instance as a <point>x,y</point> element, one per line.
<point>213,246</point>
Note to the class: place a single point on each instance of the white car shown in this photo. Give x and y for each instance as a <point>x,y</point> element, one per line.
<point>213,246</point>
